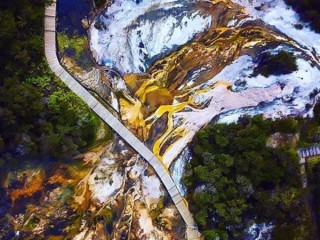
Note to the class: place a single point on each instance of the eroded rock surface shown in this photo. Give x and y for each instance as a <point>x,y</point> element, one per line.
<point>107,193</point>
<point>168,68</point>
<point>176,65</point>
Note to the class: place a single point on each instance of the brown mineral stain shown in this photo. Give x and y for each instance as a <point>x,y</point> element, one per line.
<point>55,237</point>
<point>57,179</point>
<point>158,97</point>
<point>32,185</point>
<point>134,81</point>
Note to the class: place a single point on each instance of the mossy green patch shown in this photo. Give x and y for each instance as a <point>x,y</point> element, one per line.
<point>33,222</point>
<point>76,48</point>
<point>107,215</point>
<point>313,161</point>
<point>76,44</point>
<point>155,213</point>
<point>103,132</point>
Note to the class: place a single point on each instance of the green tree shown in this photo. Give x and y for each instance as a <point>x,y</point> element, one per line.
<point>233,178</point>
<point>39,116</point>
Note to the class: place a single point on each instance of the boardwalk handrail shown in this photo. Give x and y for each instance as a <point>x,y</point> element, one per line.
<point>112,121</point>
<point>309,152</point>
<point>304,154</point>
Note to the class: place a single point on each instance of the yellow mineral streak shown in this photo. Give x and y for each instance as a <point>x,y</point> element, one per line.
<point>164,88</point>
<point>179,131</point>
<point>171,72</point>
<point>170,109</point>
<point>131,112</point>
<point>143,94</point>
<point>172,130</point>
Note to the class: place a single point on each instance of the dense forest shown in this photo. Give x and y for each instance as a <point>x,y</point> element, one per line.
<point>39,116</point>
<point>237,177</point>
<point>313,171</point>
<point>309,11</point>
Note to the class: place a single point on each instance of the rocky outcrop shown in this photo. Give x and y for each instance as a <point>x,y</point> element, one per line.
<point>176,65</point>
<point>277,139</point>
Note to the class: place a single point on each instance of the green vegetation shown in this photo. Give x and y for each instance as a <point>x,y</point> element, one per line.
<point>276,64</point>
<point>314,161</point>
<point>234,178</point>
<point>39,116</point>
<point>308,10</point>
<point>106,214</point>
<point>314,185</point>
<point>32,223</point>
<point>75,47</point>
<point>72,44</point>
<point>156,211</point>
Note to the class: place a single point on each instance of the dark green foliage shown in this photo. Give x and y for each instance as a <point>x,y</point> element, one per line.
<point>75,47</point>
<point>234,179</point>
<point>310,129</point>
<point>99,3</point>
<point>286,125</point>
<point>308,10</point>
<point>314,182</point>
<point>39,116</point>
<point>276,64</point>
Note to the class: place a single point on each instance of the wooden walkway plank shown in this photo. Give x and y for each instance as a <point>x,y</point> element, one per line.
<point>113,122</point>
<point>304,154</point>
<point>314,151</point>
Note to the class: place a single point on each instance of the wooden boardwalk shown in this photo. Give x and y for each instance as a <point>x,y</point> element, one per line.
<point>51,55</point>
<point>309,152</point>
<point>304,154</point>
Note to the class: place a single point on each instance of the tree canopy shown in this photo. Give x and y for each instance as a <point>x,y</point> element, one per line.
<point>39,116</point>
<point>235,178</point>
